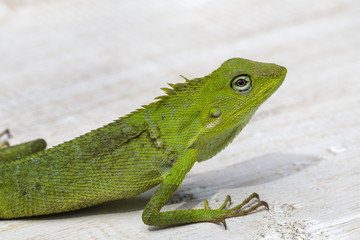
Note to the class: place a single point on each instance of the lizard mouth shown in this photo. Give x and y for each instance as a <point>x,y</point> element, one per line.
<point>262,95</point>
<point>278,76</point>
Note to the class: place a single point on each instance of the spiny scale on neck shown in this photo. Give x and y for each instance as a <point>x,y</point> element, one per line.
<point>180,87</point>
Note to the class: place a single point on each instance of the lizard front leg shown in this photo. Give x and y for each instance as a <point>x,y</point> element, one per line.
<point>153,216</point>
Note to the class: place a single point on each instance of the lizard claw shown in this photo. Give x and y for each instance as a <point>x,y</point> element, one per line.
<point>237,210</point>
<point>5,132</point>
<point>224,223</point>
<point>5,143</point>
<point>226,201</point>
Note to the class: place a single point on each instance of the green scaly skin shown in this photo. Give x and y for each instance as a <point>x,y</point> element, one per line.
<point>157,144</point>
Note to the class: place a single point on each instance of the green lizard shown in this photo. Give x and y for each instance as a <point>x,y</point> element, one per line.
<point>154,145</point>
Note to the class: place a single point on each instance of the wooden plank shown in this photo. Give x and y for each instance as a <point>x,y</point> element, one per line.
<point>71,66</point>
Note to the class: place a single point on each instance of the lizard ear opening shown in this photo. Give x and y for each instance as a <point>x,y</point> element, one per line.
<point>215,112</point>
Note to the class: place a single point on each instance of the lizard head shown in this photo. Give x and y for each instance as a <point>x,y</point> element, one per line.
<point>234,91</point>
<point>215,108</point>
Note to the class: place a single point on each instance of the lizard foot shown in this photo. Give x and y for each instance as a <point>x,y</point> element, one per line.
<point>237,210</point>
<point>5,144</point>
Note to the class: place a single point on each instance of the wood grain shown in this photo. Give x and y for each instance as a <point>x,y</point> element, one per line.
<point>71,66</point>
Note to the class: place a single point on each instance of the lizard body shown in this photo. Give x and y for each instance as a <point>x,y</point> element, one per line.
<point>154,145</point>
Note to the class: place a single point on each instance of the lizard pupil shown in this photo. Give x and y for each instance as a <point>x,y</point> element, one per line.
<point>241,82</point>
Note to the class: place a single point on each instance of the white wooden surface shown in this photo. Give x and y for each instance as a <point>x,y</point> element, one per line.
<point>69,66</point>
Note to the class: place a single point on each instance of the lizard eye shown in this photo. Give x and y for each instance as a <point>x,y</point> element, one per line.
<point>241,83</point>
